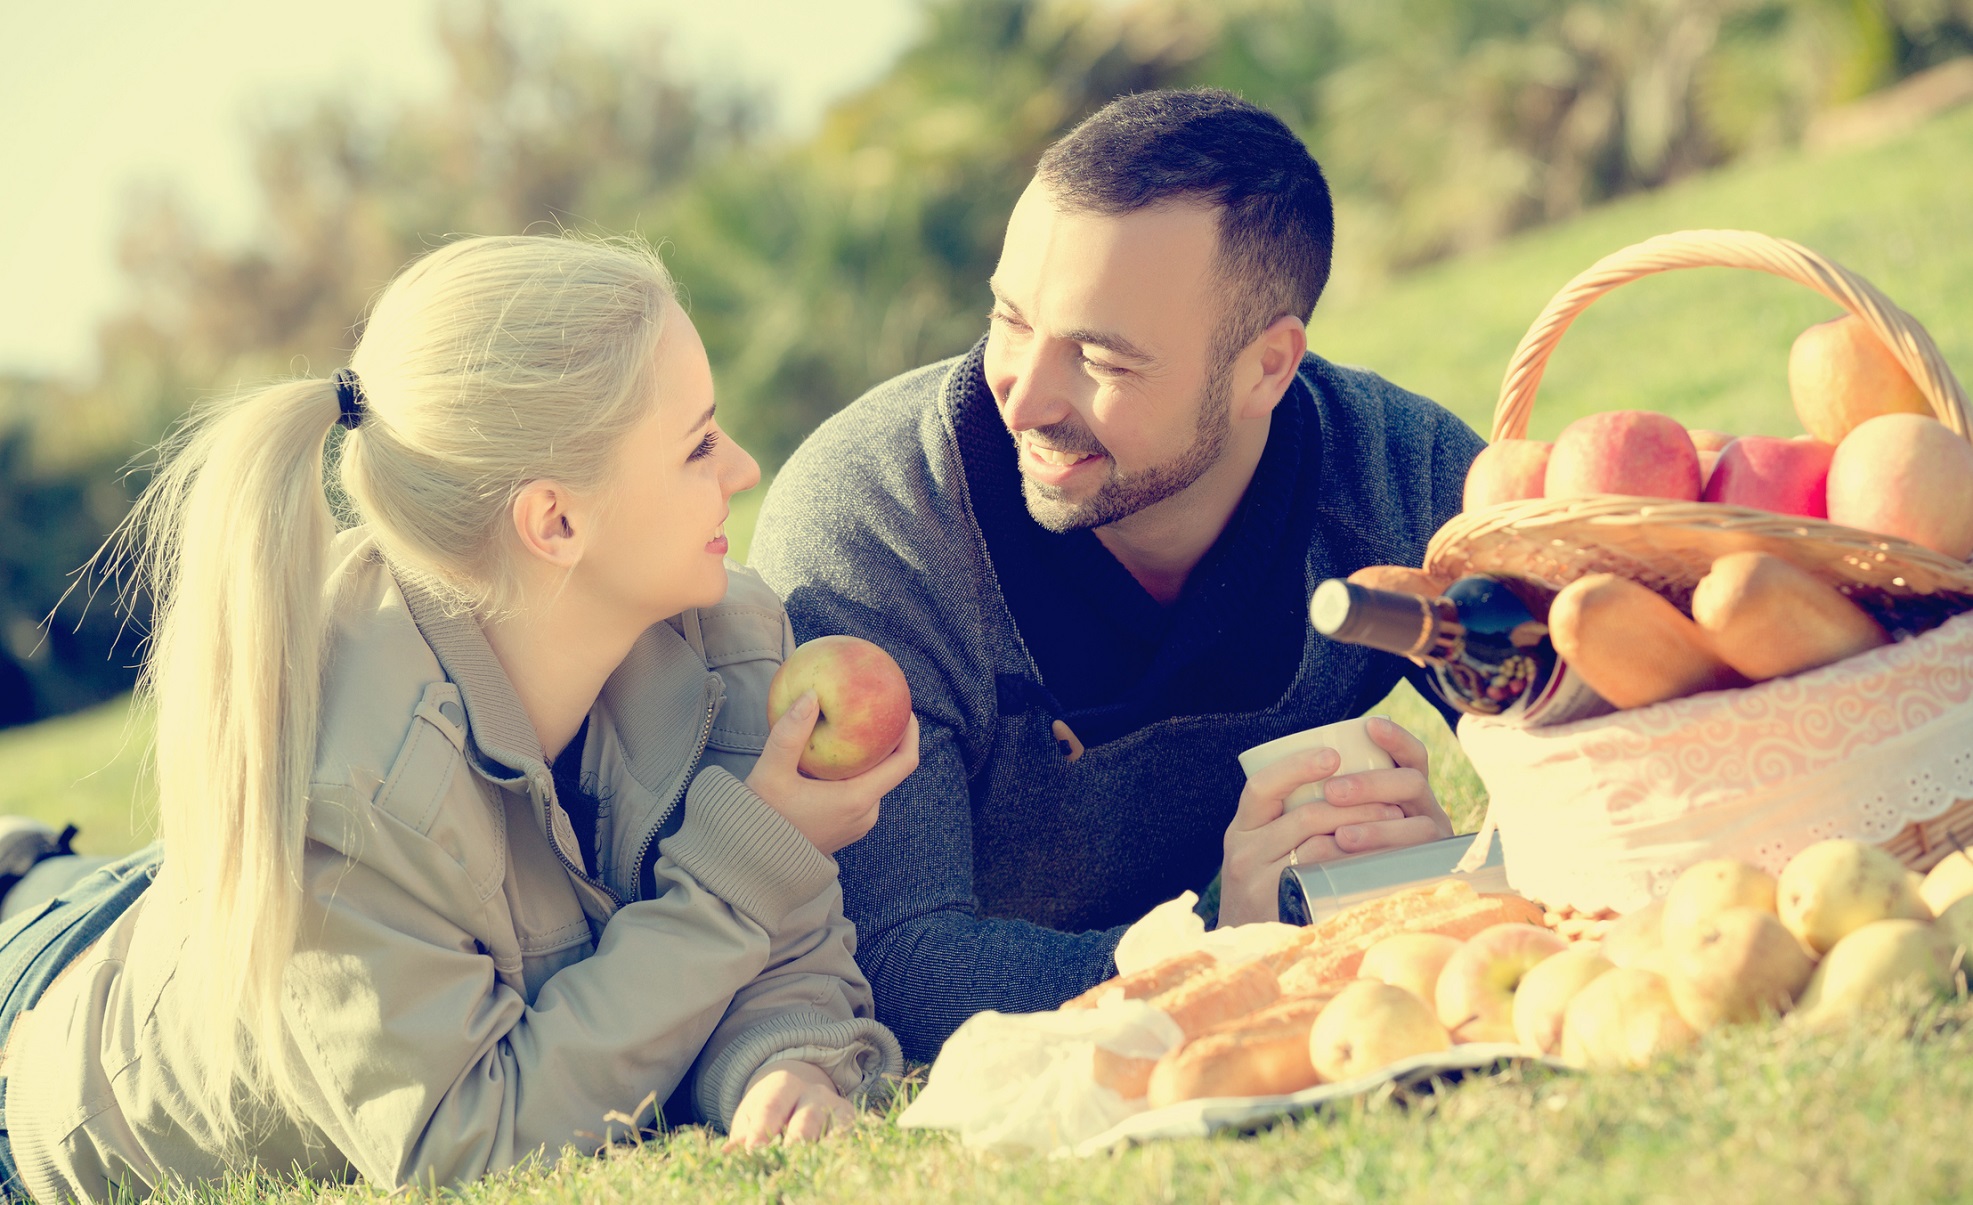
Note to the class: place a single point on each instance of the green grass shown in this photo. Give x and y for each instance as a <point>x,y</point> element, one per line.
<point>1755,1114</point>
<point>1760,1114</point>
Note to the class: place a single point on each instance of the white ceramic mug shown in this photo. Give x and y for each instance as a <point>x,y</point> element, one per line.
<point>1349,738</point>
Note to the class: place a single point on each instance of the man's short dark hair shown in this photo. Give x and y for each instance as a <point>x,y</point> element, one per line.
<point>1277,227</point>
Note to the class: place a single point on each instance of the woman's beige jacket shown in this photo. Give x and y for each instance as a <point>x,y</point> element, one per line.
<point>462,994</point>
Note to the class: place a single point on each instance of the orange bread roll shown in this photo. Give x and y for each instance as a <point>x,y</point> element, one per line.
<point>1631,646</point>
<point>1265,1054</point>
<point>1123,1074</point>
<point>1142,985</point>
<point>1769,619</point>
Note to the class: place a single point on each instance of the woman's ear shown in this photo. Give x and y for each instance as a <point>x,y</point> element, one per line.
<point>547,521</point>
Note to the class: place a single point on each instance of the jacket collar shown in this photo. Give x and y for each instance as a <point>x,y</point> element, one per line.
<point>499,733</point>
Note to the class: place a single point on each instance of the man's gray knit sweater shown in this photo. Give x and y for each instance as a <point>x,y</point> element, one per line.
<point>1002,872</point>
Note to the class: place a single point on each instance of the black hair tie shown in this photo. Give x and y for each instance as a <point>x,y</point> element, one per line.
<point>349,398</point>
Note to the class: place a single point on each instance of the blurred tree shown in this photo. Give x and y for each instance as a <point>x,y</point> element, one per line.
<point>816,269</point>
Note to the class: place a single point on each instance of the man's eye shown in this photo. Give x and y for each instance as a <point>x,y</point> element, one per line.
<point>1103,370</point>
<point>705,447</point>
<point>1006,319</point>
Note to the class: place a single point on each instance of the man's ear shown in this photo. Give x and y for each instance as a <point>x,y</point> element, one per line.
<point>548,525</point>
<point>1266,367</point>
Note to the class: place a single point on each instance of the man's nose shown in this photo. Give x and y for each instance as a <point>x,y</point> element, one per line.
<point>1035,390</point>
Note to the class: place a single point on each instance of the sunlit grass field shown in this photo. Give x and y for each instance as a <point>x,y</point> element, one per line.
<point>1764,1114</point>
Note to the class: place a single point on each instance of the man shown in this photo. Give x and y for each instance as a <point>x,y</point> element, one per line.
<point>1097,614</point>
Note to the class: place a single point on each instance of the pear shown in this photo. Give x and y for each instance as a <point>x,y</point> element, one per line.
<point>1948,883</point>
<point>1623,1018</point>
<point>1955,931</point>
<point>1739,965</point>
<point>1835,887</point>
<point>1370,1025</point>
<point>1710,887</point>
<point>1873,966</point>
<point>1411,961</point>
<point>1637,939</point>
<point>1545,993</point>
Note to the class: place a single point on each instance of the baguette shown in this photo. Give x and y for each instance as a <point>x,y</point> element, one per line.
<point>1770,619</point>
<point>1631,646</point>
<point>1266,1054</point>
<point>1204,1001</point>
<point>1454,913</point>
<point>1142,985</point>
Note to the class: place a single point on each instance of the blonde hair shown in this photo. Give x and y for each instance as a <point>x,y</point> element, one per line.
<point>486,364</point>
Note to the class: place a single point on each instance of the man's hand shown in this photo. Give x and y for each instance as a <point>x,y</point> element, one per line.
<point>1376,809</point>
<point>829,814</point>
<point>794,1101</point>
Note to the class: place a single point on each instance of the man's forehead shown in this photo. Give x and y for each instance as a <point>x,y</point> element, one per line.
<point>1075,267</point>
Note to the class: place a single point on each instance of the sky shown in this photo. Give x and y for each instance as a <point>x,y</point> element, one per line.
<point>100,96</point>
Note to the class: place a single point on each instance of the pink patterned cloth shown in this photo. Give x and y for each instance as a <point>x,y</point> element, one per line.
<point>1607,812</point>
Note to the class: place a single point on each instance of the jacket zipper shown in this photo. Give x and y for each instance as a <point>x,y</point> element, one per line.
<point>698,750</point>
<point>609,893</point>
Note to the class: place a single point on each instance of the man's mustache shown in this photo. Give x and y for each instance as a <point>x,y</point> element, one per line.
<point>1064,437</point>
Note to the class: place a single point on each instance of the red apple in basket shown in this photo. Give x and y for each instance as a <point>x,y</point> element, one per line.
<point>1507,470</point>
<point>1624,452</point>
<point>864,699</point>
<point>1788,476</point>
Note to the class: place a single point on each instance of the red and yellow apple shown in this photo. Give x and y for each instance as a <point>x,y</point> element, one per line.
<point>1906,475</point>
<point>1788,476</point>
<point>1632,452</point>
<point>864,700</point>
<point>1475,995</point>
<point>1507,470</point>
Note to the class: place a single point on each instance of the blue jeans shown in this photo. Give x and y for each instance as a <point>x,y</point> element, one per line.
<point>37,944</point>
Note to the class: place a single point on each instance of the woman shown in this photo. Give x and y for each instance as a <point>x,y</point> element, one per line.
<point>475,839</point>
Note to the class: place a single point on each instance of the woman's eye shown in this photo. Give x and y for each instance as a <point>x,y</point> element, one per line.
<point>705,447</point>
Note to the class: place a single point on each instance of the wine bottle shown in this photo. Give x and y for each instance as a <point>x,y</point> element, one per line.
<point>1489,654</point>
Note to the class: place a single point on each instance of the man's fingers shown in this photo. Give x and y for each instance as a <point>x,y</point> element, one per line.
<point>1386,834</point>
<point>1408,788</point>
<point>898,765</point>
<point>1260,802</point>
<point>1316,849</point>
<point>1405,749</point>
<point>810,1121</point>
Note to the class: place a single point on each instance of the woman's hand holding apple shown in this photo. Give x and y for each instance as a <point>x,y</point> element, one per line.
<point>1357,813</point>
<point>831,814</point>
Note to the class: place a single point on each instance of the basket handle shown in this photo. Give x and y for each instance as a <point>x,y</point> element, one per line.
<point>1730,249</point>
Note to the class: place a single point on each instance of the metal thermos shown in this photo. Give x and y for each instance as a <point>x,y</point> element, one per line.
<point>1311,894</point>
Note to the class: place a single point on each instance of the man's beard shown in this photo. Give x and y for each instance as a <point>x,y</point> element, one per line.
<point>1124,494</point>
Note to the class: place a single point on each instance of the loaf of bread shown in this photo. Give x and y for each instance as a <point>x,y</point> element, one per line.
<point>1632,646</point>
<point>1769,619</point>
<point>1144,984</point>
<point>1265,1054</point>
<point>1451,908</point>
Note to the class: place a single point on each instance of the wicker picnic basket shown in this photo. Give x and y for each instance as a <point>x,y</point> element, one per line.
<point>1606,812</point>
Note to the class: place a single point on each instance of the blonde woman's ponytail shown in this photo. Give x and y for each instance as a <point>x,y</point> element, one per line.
<point>231,539</point>
<point>486,364</point>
